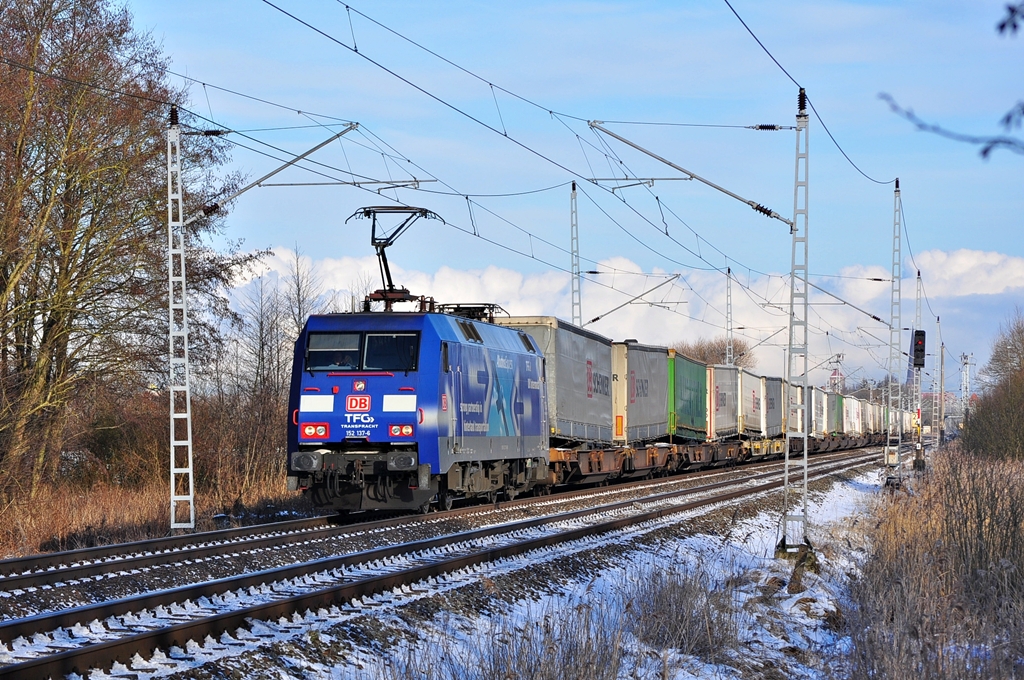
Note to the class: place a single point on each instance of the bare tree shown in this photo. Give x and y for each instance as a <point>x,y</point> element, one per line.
<point>83,116</point>
<point>996,423</point>
<point>1007,358</point>
<point>712,351</point>
<point>304,292</point>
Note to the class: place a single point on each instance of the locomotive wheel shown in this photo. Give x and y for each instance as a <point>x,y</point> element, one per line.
<point>445,501</point>
<point>425,508</point>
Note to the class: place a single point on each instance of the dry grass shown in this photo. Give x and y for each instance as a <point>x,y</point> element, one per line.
<point>941,595</point>
<point>68,517</point>
<point>647,627</point>
<point>684,611</point>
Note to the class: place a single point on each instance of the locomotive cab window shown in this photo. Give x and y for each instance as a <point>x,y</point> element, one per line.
<point>391,351</point>
<point>332,352</point>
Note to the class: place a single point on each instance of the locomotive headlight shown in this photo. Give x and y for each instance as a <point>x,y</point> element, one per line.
<point>309,430</point>
<point>395,430</point>
<point>407,430</point>
<point>321,430</point>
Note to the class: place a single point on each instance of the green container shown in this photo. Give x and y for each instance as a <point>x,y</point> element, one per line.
<point>687,408</point>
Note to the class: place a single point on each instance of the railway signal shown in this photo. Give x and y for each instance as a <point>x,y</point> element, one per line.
<point>919,349</point>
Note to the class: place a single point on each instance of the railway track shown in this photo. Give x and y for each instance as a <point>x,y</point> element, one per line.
<point>79,566</point>
<point>96,636</point>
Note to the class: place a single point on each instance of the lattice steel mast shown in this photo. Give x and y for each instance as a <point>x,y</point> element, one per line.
<point>965,386</point>
<point>794,525</point>
<point>182,487</point>
<point>918,415</point>
<point>937,395</point>
<point>893,421</point>
<point>942,389</point>
<point>577,303</point>
<point>181,482</point>
<point>728,317</point>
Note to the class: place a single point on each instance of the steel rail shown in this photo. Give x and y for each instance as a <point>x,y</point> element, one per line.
<point>52,568</point>
<point>17,566</point>
<point>124,649</point>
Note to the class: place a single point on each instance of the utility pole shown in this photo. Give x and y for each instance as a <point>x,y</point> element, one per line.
<point>728,317</point>
<point>794,519</point>
<point>893,419</point>
<point>577,306</point>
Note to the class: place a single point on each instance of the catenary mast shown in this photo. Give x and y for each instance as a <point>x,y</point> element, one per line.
<point>893,421</point>
<point>183,509</point>
<point>794,509</point>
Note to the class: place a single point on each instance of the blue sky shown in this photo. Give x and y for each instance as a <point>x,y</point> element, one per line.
<point>690,63</point>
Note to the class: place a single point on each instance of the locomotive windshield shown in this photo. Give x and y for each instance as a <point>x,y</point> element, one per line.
<point>333,352</point>
<point>362,351</point>
<point>391,352</point>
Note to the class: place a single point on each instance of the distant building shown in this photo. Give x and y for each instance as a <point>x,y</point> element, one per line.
<point>837,381</point>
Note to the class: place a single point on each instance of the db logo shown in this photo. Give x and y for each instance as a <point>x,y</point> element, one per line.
<point>357,402</point>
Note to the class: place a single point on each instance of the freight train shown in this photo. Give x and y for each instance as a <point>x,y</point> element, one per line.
<point>412,409</point>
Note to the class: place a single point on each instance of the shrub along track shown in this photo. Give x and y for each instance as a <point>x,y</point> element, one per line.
<point>74,640</point>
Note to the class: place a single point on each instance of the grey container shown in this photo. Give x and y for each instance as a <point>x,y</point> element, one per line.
<point>723,405</point>
<point>752,402</point>
<point>578,365</point>
<point>853,423</point>
<point>819,411</point>
<point>772,414</point>
<point>794,395</point>
<point>639,392</point>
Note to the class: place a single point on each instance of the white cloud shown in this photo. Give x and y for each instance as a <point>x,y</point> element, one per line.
<point>694,305</point>
<point>970,272</point>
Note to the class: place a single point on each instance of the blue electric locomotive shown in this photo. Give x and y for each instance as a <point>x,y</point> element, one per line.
<point>401,409</point>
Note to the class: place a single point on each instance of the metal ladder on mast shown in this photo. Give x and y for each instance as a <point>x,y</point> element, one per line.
<point>182,487</point>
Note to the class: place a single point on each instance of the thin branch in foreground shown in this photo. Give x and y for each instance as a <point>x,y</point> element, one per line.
<point>988,144</point>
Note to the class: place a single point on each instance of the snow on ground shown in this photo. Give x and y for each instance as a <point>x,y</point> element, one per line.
<point>582,612</point>
<point>786,624</point>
